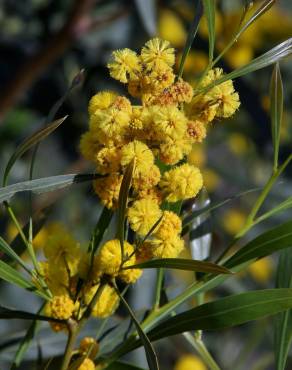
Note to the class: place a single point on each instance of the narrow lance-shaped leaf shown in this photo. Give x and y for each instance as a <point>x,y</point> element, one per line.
<point>191,34</point>
<point>29,143</point>
<point>10,252</point>
<point>44,185</point>
<point>276,95</point>
<point>10,314</point>
<point>272,56</point>
<point>123,201</point>
<point>283,321</point>
<point>209,11</point>
<point>26,341</point>
<point>269,242</point>
<point>182,264</point>
<point>12,276</point>
<point>101,227</point>
<point>149,350</point>
<point>226,312</point>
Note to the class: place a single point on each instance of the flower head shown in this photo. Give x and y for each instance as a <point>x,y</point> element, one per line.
<point>181,183</point>
<point>169,226</point>
<point>157,52</point>
<point>140,152</point>
<point>108,190</point>
<point>143,214</point>
<point>87,364</point>
<point>125,65</point>
<point>168,248</point>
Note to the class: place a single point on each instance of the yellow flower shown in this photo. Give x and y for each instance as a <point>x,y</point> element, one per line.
<point>125,65</point>
<point>102,100</point>
<point>147,179</point>
<point>196,131</point>
<point>140,152</point>
<point>196,62</point>
<point>261,270</point>
<point>172,151</point>
<point>223,94</point>
<point>168,248</point>
<point>168,121</point>
<point>197,156</point>
<point>169,226</point>
<point>108,160</point>
<point>238,143</point>
<point>89,347</point>
<point>181,183</point>
<point>87,364</point>
<point>239,55</point>
<point>63,250</point>
<point>202,107</point>
<point>89,145</point>
<point>157,52</point>
<point>211,179</point>
<point>56,277</point>
<point>107,302</point>
<point>190,362</point>
<point>171,28</point>
<point>233,221</point>
<point>158,79</point>
<point>108,190</point>
<point>143,214</point>
<point>109,261</point>
<point>61,307</point>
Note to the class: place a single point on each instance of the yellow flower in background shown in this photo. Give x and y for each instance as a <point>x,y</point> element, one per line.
<point>181,183</point>
<point>143,214</point>
<point>262,270</point>
<point>233,220</point>
<point>195,62</point>
<point>239,55</point>
<point>238,143</point>
<point>171,28</point>
<point>197,157</point>
<point>106,304</point>
<point>190,362</point>
<point>211,179</point>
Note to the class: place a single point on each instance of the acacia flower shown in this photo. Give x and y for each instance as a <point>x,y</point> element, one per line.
<point>157,52</point>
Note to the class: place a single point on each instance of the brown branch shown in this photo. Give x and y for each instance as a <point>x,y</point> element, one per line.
<point>77,24</point>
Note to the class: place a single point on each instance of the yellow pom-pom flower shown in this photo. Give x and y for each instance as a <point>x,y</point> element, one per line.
<point>181,183</point>
<point>89,145</point>
<point>169,226</point>
<point>140,152</point>
<point>125,65</point>
<point>89,347</point>
<point>108,189</point>
<point>106,304</point>
<point>108,160</point>
<point>172,151</point>
<point>168,121</point>
<point>146,180</point>
<point>196,131</point>
<point>102,100</point>
<point>168,248</point>
<point>61,307</point>
<point>157,52</point>
<point>171,27</point>
<point>87,364</point>
<point>143,214</point>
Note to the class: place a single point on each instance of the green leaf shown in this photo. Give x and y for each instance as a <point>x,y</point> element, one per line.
<point>44,185</point>
<point>182,264</point>
<point>226,312</point>
<point>149,350</point>
<point>26,341</point>
<point>272,56</point>
<point>29,143</point>
<point>190,217</point>
<point>191,34</point>
<point>101,227</point>
<point>12,276</point>
<point>209,11</point>
<point>10,252</point>
<point>283,321</point>
<point>269,242</point>
<point>122,366</point>
<point>276,96</point>
<point>10,314</point>
<point>123,201</point>
<point>279,208</point>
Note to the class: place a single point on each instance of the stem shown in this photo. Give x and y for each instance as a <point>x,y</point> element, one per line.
<point>158,287</point>
<point>73,332</point>
<point>200,347</point>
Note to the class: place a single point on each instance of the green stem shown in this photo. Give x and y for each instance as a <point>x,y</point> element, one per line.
<point>72,335</point>
<point>158,287</point>
<point>200,347</point>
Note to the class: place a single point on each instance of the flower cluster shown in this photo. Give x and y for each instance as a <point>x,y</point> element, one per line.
<point>74,278</point>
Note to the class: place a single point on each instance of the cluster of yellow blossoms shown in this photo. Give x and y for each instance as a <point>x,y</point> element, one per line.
<point>157,136</point>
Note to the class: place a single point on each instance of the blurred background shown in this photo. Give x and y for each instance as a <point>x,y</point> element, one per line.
<point>43,45</point>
